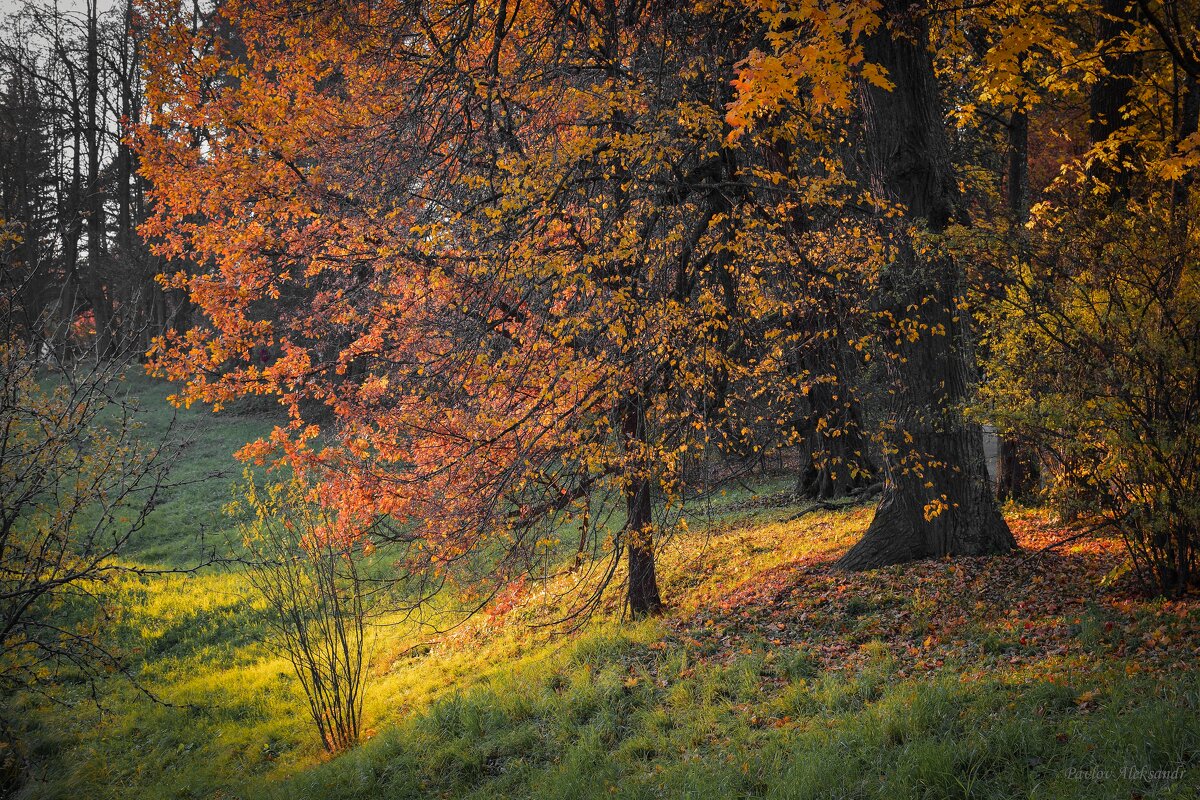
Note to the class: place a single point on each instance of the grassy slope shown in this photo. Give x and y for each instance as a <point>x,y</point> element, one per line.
<point>771,677</point>
<point>189,522</point>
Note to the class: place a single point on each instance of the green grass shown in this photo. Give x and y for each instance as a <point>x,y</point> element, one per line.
<point>574,726</point>
<point>187,523</point>
<point>689,706</point>
<point>606,715</point>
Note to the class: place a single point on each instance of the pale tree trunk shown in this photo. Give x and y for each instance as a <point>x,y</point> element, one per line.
<point>932,454</point>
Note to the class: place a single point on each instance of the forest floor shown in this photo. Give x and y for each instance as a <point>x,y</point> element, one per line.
<point>1044,673</point>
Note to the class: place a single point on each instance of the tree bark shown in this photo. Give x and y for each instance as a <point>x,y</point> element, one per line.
<point>1110,94</point>
<point>839,452</point>
<point>94,286</point>
<point>1019,476</point>
<point>642,592</point>
<point>937,499</point>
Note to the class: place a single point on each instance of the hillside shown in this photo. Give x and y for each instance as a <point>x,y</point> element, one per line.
<point>770,676</point>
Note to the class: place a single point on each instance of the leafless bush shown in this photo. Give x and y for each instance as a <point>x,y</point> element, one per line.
<point>78,479</point>
<point>317,597</point>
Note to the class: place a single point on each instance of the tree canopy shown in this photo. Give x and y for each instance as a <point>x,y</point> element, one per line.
<point>522,269</point>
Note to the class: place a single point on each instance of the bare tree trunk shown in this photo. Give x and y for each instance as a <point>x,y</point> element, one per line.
<point>937,499</point>
<point>94,283</point>
<point>71,220</point>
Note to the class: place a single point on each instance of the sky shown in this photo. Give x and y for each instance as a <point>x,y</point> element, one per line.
<point>9,6</point>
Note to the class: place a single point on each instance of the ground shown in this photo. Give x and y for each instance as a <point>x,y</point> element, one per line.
<point>1040,674</point>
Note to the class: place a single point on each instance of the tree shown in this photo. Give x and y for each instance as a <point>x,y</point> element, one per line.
<point>73,87</point>
<point>1091,339</point>
<point>540,262</point>
<point>937,499</point>
<point>528,278</point>
<point>24,200</point>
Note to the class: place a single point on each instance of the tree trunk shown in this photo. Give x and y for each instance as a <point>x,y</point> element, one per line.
<point>1110,93</point>
<point>642,593</point>
<point>839,460</point>
<point>1019,476</point>
<point>937,499</point>
<point>73,297</point>
<point>94,286</point>
<point>643,596</point>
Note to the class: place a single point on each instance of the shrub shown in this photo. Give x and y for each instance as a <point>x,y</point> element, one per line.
<point>1093,356</point>
<point>315,591</point>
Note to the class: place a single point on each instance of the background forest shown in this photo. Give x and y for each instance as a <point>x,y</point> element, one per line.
<point>591,397</point>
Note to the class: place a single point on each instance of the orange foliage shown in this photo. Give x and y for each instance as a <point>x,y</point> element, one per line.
<point>499,245</point>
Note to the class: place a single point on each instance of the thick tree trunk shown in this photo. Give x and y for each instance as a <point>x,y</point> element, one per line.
<point>937,499</point>
<point>642,592</point>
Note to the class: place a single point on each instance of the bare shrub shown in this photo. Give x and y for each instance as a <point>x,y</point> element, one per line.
<point>317,598</point>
